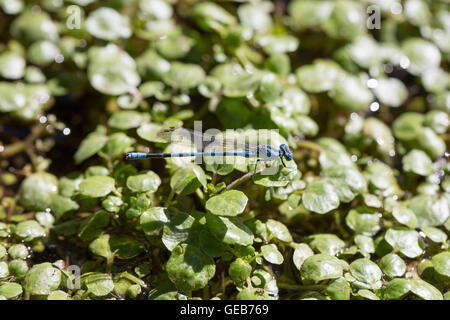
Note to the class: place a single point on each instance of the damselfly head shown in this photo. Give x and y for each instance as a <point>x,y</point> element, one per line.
<point>285,152</point>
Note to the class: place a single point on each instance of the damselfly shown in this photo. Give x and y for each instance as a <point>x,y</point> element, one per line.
<point>263,152</point>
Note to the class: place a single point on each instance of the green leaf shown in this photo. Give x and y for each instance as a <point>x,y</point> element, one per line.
<point>278,43</point>
<point>347,182</point>
<point>326,243</point>
<point>380,175</point>
<point>405,216</point>
<point>61,205</point>
<point>321,267</point>
<point>437,120</point>
<point>117,144</point>
<point>212,17</point>
<point>391,92</point>
<point>101,247</point>
<point>230,203</point>
<point>126,247</point>
<point>177,230</point>
<point>363,220</point>
<point>347,20</point>
<point>37,190</point>
<point>92,144</point>
<point>29,230</point>
<point>184,76</point>
<point>404,240</point>
<point>98,284</point>
<point>321,76</point>
<point>366,271</point>
<point>4,272</point>
<point>338,289</point>
<point>441,263</point>
<point>58,295</point>
<point>41,279</point>
<point>301,253</point>
<point>435,234</point>
<point>368,294</point>
<point>365,244</point>
<point>12,65</point>
<point>230,230</point>
<point>97,186</point>
<point>93,226</point>
<point>429,211</point>
<point>149,132</point>
<point>18,251</point>
<point>320,197</point>
<point>279,230</point>
<point>397,289</point>
<point>186,180</point>
<point>418,162</point>
<point>425,290</point>
<point>422,54</point>
<point>11,290</point>
<point>351,95</point>
<point>270,253</point>
<point>111,70</point>
<point>239,271</point>
<point>107,24</point>
<point>210,244</point>
<point>147,182</point>
<point>189,268</point>
<point>125,120</point>
<point>392,265</point>
<point>152,221</point>
<point>32,26</point>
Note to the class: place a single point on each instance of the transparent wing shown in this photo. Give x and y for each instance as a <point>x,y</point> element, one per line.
<point>206,141</point>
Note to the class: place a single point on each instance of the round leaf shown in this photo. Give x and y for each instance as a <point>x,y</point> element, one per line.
<point>189,268</point>
<point>97,186</point>
<point>230,203</point>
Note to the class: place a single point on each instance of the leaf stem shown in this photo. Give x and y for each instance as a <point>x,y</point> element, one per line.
<point>244,178</point>
<point>169,198</point>
<point>17,147</point>
<point>201,196</point>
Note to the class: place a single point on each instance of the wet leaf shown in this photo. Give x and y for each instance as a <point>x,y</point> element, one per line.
<point>29,230</point>
<point>279,230</point>
<point>98,284</point>
<point>189,268</point>
<point>36,191</point>
<point>107,24</point>
<point>326,243</point>
<point>146,182</point>
<point>229,230</point>
<point>270,253</point>
<point>320,197</point>
<point>41,279</point>
<point>97,186</point>
<point>392,265</point>
<point>301,253</point>
<point>187,180</point>
<point>404,240</point>
<point>366,271</point>
<point>363,220</point>
<point>441,263</point>
<point>230,203</point>
<point>321,267</point>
